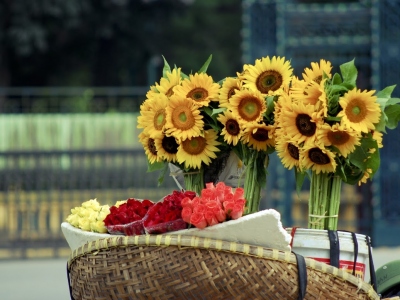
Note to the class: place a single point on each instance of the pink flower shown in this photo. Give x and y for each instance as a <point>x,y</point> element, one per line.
<point>198,220</point>
<point>210,218</point>
<point>186,214</point>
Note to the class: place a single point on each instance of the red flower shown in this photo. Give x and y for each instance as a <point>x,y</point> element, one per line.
<point>166,215</point>
<point>127,218</point>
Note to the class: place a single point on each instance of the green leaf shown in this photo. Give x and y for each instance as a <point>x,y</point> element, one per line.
<point>334,89</point>
<point>155,166</point>
<point>386,92</point>
<point>204,68</point>
<point>362,158</point>
<point>166,68</point>
<point>162,174</point>
<point>393,116</point>
<point>349,73</point>
<point>217,111</point>
<point>336,79</point>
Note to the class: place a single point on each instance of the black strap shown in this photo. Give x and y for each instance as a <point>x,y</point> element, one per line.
<point>334,248</point>
<point>69,283</point>
<point>355,251</point>
<point>371,264</point>
<point>302,271</point>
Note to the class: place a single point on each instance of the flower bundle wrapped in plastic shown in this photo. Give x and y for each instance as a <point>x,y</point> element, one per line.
<point>89,216</point>
<point>216,204</point>
<point>166,215</point>
<point>127,217</point>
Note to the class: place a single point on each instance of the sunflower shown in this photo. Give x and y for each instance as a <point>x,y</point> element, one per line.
<point>288,152</point>
<point>360,110</point>
<point>229,88</point>
<point>259,136</point>
<point>183,118</point>
<point>312,93</point>
<point>267,75</point>
<point>192,152</point>
<point>342,138</point>
<point>317,71</point>
<point>366,176</point>
<point>318,160</point>
<point>231,128</point>
<point>149,147</point>
<point>199,87</point>
<point>248,105</point>
<point>166,146</point>
<point>301,122</point>
<point>153,116</point>
<point>166,85</point>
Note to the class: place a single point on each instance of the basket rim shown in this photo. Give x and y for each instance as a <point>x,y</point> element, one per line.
<point>187,242</point>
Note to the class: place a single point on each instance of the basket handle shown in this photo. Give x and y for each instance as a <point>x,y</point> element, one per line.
<point>302,273</point>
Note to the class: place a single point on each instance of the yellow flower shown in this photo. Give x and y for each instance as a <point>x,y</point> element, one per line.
<point>300,122</point>
<point>197,150</point>
<point>184,120</point>
<point>288,152</point>
<point>152,118</point>
<point>199,87</point>
<point>167,147</point>
<point>360,110</point>
<point>229,87</point>
<point>267,75</point>
<point>231,130</point>
<point>166,85</point>
<point>248,105</point>
<point>149,147</point>
<point>342,138</point>
<point>367,175</point>
<point>378,137</point>
<point>259,136</point>
<point>318,160</point>
<point>317,71</point>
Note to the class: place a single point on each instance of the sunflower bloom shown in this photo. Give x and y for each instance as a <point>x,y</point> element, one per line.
<point>166,85</point>
<point>248,105</point>
<point>199,87</point>
<point>153,117</point>
<point>288,152</point>
<point>229,87</point>
<point>378,137</point>
<point>344,139</point>
<point>301,122</point>
<point>259,136</point>
<point>192,152</point>
<point>183,118</point>
<point>231,130</point>
<point>317,71</point>
<point>149,147</point>
<point>366,176</point>
<point>268,76</point>
<point>318,160</point>
<point>167,147</point>
<point>360,110</point>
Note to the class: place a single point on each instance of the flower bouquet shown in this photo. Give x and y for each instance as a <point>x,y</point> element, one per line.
<point>330,131</point>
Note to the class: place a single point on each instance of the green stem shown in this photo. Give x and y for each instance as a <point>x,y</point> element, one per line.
<point>194,180</point>
<point>323,206</point>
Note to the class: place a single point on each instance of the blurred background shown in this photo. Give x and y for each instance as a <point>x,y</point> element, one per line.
<point>74,73</point>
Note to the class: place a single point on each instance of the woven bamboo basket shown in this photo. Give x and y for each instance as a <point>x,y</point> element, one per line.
<point>186,267</point>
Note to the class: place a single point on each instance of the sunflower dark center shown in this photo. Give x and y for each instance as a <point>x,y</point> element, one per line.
<point>232,127</point>
<point>152,146</point>
<point>194,146</point>
<point>293,151</point>
<point>198,94</point>
<point>260,135</point>
<point>318,79</point>
<point>232,92</point>
<point>338,137</point>
<point>169,144</point>
<point>318,157</point>
<point>304,125</point>
<point>249,108</point>
<point>269,81</point>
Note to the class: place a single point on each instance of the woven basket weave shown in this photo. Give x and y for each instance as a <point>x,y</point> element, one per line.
<point>184,267</point>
